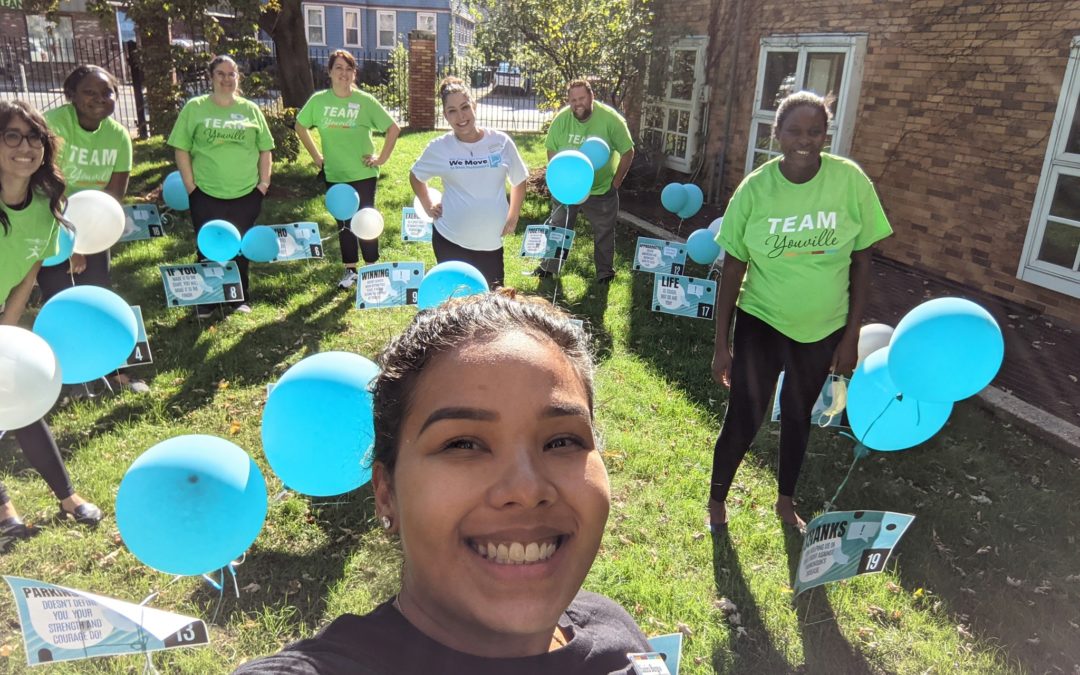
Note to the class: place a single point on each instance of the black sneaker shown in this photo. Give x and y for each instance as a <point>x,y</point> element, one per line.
<point>605,280</point>
<point>13,530</point>
<point>204,311</point>
<point>541,273</point>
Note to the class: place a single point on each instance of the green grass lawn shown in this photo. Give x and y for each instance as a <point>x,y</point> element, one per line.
<point>986,580</point>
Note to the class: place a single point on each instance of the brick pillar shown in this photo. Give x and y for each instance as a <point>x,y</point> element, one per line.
<point>421,80</point>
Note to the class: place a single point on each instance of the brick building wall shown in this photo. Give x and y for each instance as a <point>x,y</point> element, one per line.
<point>957,103</point>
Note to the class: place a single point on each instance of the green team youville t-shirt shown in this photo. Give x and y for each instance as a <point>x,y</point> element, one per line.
<point>797,240</point>
<point>345,126</point>
<point>88,159</point>
<point>32,236</point>
<point>224,143</point>
<point>568,133</point>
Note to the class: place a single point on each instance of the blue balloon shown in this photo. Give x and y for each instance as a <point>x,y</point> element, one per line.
<point>174,193</point>
<point>597,150</point>
<point>191,504</point>
<point>570,177</point>
<point>66,244</point>
<point>219,240</point>
<point>90,329</point>
<point>702,248</point>
<point>260,244</point>
<point>342,201</point>
<point>674,197</point>
<point>317,427</point>
<point>882,417</point>
<point>945,350</point>
<point>694,199</point>
<point>451,279</point>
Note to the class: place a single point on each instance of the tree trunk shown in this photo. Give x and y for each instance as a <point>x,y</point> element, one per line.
<point>162,94</point>
<point>286,27</point>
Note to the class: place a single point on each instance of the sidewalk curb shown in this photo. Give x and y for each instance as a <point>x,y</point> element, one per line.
<point>1039,423</point>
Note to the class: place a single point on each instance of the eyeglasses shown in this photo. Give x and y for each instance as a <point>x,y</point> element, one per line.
<point>14,139</point>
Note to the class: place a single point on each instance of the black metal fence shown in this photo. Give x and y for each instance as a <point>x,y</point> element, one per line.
<point>505,94</point>
<point>34,71</point>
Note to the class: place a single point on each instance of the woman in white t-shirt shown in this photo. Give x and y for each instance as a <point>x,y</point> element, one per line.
<point>474,165</point>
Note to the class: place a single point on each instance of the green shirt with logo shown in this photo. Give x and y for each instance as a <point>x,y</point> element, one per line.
<point>797,240</point>
<point>345,126</point>
<point>568,133</point>
<point>224,142</point>
<point>88,159</point>
<point>31,237</point>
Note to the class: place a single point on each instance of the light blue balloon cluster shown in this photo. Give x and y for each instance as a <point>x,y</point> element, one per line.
<point>682,199</point>
<point>260,244</point>
<point>318,428</point>
<point>219,240</point>
<point>342,201</point>
<point>597,151</point>
<point>174,193</point>
<point>942,351</point>
<point>65,244</point>
<point>91,330</point>
<point>702,248</point>
<point>451,279</point>
<point>191,504</point>
<point>570,177</point>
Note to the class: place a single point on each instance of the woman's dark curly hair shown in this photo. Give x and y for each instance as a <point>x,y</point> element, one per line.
<point>452,325</point>
<point>801,98</point>
<point>47,179</point>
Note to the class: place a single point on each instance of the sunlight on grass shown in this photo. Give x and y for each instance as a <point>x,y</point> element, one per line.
<point>977,585</point>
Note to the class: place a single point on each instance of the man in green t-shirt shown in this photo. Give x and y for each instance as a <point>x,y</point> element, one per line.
<point>583,118</point>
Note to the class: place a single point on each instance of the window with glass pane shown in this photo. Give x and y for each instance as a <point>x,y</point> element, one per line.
<point>316,32</point>
<point>425,21</point>
<point>780,70</point>
<point>1051,255</point>
<point>352,28</point>
<point>387,29</point>
<point>683,63</point>
<point>50,41</point>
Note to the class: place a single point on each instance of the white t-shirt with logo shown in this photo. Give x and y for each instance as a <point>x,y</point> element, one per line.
<point>474,186</point>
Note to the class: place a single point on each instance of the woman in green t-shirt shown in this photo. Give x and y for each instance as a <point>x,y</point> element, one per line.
<point>798,234</point>
<point>223,149</point>
<point>94,153</point>
<point>31,203</point>
<point>345,117</point>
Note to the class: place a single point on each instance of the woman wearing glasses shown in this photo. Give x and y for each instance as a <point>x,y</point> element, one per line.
<point>223,153</point>
<point>31,202</point>
<point>345,118</point>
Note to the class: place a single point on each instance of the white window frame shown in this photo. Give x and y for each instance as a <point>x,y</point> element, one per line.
<point>841,129</point>
<point>379,14</point>
<point>670,106</point>
<point>307,26</point>
<point>1057,163</point>
<point>434,21</point>
<point>346,12</point>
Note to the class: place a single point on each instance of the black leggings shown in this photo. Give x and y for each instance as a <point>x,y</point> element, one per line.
<point>490,263</point>
<point>759,353</point>
<point>241,212</point>
<point>39,448</point>
<point>350,242</point>
<point>56,278</point>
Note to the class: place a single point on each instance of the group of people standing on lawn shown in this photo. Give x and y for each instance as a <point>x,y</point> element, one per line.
<point>498,495</point>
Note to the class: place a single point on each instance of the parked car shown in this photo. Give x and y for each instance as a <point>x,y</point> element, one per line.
<point>510,78</point>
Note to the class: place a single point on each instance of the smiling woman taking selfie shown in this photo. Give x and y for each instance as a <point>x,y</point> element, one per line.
<point>486,467</point>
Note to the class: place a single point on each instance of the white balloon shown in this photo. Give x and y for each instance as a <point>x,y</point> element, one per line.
<point>29,377</point>
<point>367,223</point>
<point>714,226</point>
<point>98,220</point>
<point>873,337</point>
<point>436,197</point>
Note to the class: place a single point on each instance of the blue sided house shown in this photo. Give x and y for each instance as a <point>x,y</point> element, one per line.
<point>372,25</point>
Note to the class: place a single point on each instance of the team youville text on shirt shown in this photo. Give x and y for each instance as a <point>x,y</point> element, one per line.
<point>819,243</point>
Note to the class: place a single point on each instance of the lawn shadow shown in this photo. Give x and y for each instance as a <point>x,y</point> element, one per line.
<point>344,520</point>
<point>753,650</point>
<point>825,649</point>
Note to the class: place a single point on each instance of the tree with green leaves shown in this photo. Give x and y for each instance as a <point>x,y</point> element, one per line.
<point>605,41</point>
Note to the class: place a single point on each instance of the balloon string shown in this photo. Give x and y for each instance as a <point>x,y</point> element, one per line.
<point>860,451</point>
<point>559,264</point>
